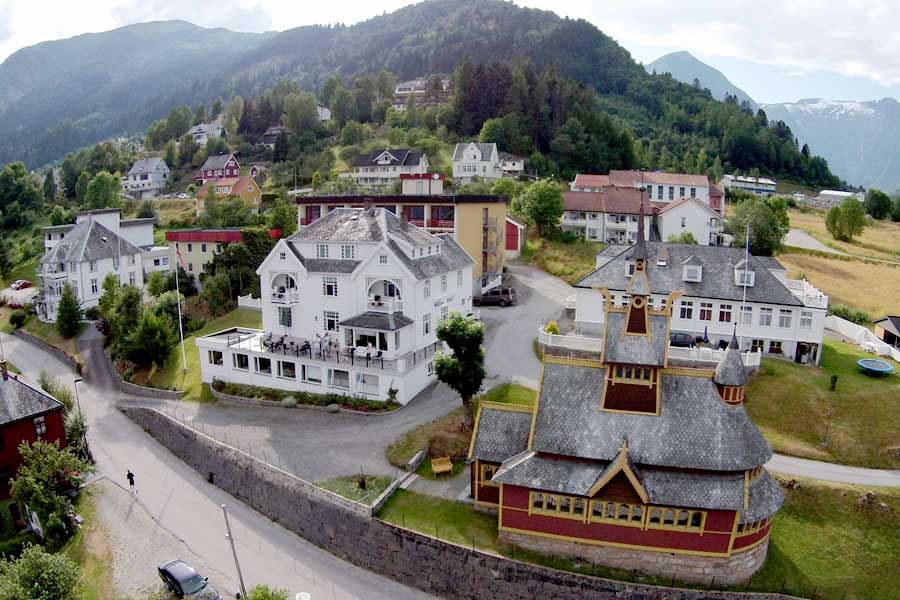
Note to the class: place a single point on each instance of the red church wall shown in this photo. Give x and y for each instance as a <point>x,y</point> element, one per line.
<point>515,515</point>
<point>748,540</point>
<point>489,494</point>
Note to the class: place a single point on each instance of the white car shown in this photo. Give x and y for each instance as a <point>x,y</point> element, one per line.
<point>183,196</point>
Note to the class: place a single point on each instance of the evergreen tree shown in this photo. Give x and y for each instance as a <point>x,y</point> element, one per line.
<point>199,114</point>
<point>81,186</point>
<point>49,187</point>
<point>68,313</point>
<point>152,339</point>
<point>171,154</point>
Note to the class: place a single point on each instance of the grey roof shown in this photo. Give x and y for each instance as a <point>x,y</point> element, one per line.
<point>510,156</point>
<point>452,257</point>
<point>718,273</point>
<point>378,320</point>
<point>764,497</point>
<point>217,161</point>
<point>889,323</point>
<point>550,474</point>
<point>487,150</point>
<point>66,227</point>
<point>141,221</point>
<point>326,265</point>
<point>694,430</point>
<point>146,165</point>
<point>771,263</point>
<point>18,400</point>
<point>89,240</point>
<point>501,434</point>
<point>696,490</point>
<point>730,370</point>
<point>636,349</point>
<point>402,156</point>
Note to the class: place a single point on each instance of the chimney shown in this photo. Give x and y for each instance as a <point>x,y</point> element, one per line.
<point>4,369</point>
<point>404,220</point>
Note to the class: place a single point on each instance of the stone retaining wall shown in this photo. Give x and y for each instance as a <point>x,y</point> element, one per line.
<point>347,530</point>
<point>244,401</point>
<point>141,390</point>
<point>73,363</point>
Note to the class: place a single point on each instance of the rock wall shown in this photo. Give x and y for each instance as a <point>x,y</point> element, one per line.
<point>347,530</point>
<point>140,390</point>
<point>72,362</point>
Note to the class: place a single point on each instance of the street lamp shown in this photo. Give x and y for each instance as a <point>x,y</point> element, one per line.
<point>77,400</point>
<point>230,539</point>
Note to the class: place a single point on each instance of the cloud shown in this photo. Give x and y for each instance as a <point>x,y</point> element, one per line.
<point>231,14</point>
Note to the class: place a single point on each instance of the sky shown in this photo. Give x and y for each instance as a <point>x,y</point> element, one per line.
<point>776,50</point>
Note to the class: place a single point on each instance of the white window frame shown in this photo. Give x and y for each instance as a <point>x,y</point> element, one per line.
<point>426,289</point>
<point>321,250</point>
<point>806,319</point>
<point>329,316</point>
<point>765,316</point>
<point>348,251</point>
<point>746,314</point>
<point>785,318</point>
<point>426,324</point>
<point>329,284</point>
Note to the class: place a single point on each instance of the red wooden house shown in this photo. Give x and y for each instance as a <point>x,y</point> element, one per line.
<point>26,414</point>
<point>629,460</point>
<point>220,166</point>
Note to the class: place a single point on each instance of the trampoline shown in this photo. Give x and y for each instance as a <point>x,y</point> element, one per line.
<point>874,367</point>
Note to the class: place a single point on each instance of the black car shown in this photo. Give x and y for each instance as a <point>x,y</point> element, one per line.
<point>500,296</point>
<point>182,580</point>
<point>681,340</point>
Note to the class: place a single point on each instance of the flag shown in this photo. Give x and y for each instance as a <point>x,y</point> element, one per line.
<point>180,259</point>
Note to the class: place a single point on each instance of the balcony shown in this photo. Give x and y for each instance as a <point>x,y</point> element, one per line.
<point>440,223</point>
<point>285,297</point>
<point>489,223</point>
<point>386,305</point>
<point>307,221</point>
<point>807,293</point>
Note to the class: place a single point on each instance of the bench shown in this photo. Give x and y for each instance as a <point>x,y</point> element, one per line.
<point>441,465</point>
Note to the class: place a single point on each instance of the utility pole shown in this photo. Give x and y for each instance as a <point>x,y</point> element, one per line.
<point>230,539</point>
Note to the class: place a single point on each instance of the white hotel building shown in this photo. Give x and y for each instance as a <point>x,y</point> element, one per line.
<point>350,306</point>
<point>777,316</point>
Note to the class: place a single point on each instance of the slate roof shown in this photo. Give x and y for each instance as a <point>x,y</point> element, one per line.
<point>696,490</point>
<point>147,165</point>
<point>550,473</point>
<point>378,320</point>
<point>500,434</point>
<point>635,349</point>
<point>488,150</point>
<point>764,497</point>
<point>217,161</point>
<point>694,430</point>
<point>326,265</point>
<point>402,156</point>
<point>509,156</point>
<point>19,400</point>
<point>452,257</point>
<point>718,273</point>
<point>89,240</point>
<point>730,370</point>
<point>889,323</point>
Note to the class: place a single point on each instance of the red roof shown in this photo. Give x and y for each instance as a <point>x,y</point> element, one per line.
<point>617,200</point>
<point>212,235</point>
<point>591,181</point>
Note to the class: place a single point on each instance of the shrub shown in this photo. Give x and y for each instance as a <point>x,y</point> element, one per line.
<point>552,328</point>
<point>264,592</point>
<point>57,389</point>
<point>92,314</point>
<point>860,317</point>
<point>289,402</point>
<point>18,318</point>
<point>39,575</point>
<point>454,444</point>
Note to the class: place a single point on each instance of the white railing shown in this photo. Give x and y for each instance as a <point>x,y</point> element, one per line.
<point>807,292</point>
<point>285,297</point>
<point>570,342</point>
<point>490,280</point>
<point>862,336</point>
<point>249,301</point>
<point>386,305</point>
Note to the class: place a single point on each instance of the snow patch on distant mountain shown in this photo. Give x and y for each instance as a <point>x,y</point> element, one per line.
<point>835,108</point>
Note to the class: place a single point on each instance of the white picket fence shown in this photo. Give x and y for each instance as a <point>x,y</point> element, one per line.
<point>862,336</point>
<point>249,301</point>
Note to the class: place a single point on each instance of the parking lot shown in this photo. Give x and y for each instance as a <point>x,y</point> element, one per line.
<point>19,297</point>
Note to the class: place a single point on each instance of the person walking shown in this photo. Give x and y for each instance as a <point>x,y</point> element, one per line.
<point>130,477</point>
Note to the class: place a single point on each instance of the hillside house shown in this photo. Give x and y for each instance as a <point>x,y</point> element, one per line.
<point>220,166</point>
<point>350,306</point>
<point>512,165</point>
<point>198,247</point>
<point>418,88</point>
<point>147,178</point>
<point>690,215</point>
<point>422,184</point>
<point>476,160</point>
<point>271,135</point>
<point>384,167</point>
<point>668,187</point>
<point>887,330</point>
<point>589,183</point>
<point>244,188</point>
<point>203,132</point>
<point>758,186</point>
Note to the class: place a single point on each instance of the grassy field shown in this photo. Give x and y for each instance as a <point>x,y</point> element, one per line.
<point>821,542</point>
<point>172,376</point>
<point>45,331</point>
<point>872,287</point>
<point>90,549</point>
<point>880,239</point>
<point>168,210</point>
<point>405,447</point>
<point>569,261</point>
<point>348,487</point>
<point>24,270</point>
<point>793,407</point>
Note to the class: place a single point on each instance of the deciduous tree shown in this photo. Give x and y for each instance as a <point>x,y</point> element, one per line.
<point>152,340</point>
<point>39,575</point>
<point>103,191</point>
<point>846,220</point>
<point>541,204</point>
<point>463,370</point>
<point>767,228</point>
<point>878,204</point>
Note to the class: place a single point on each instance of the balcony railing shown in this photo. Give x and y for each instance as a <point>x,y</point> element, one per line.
<point>441,223</point>
<point>307,220</point>
<point>387,305</point>
<point>489,223</point>
<point>286,297</point>
<point>807,292</point>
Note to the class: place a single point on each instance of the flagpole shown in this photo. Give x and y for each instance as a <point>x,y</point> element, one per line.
<point>178,302</point>
<point>744,299</point>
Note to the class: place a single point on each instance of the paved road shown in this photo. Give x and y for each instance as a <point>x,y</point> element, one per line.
<point>800,239</point>
<point>814,469</point>
<point>180,500</point>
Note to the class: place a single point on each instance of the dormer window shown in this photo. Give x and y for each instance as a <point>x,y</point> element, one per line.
<point>692,273</point>
<point>347,251</point>
<point>744,278</point>
<point>629,269</point>
<point>321,250</point>
<point>661,261</point>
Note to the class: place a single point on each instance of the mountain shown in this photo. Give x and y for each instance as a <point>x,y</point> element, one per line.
<point>684,67</point>
<point>859,139</point>
<point>60,95</point>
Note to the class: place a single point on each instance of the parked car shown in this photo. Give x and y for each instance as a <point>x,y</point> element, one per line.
<point>183,196</point>
<point>681,340</point>
<point>184,582</point>
<point>20,284</point>
<point>501,296</point>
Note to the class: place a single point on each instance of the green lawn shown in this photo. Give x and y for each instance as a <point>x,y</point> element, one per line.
<point>793,407</point>
<point>90,549</point>
<point>821,541</point>
<point>45,331</point>
<point>511,393</point>
<point>569,261</point>
<point>24,270</point>
<point>172,376</point>
<point>348,487</point>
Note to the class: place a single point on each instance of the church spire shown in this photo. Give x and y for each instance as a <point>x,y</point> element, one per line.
<point>640,248</point>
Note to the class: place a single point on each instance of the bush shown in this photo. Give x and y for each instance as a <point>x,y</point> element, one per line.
<point>57,389</point>
<point>289,402</point>
<point>552,328</point>
<point>18,318</point>
<point>454,444</point>
<point>860,317</point>
<point>264,592</point>
<point>92,314</point>
<point>39,575</point>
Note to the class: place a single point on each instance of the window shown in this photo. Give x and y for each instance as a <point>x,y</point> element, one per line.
<point>604,511</point>
<point>284,316</point>
<point>241,361</point>
<point>706,311</point>
<point>765,317</point>
<point>724,313</point>
<point>487,474</point>
<point>744,278</point>
<point>633,374</point>
<point>287,369</point>
<point>263,366</point>
<point>115,262</point>
<point>429,368</point>
<point>382,259</point>
<point>746,315</point>
<point>671,192</point>
<point>687,309</point>
<point>445,312</point>
<point>555,505</point>
<point>444,282</point>
<point>806,319</point>
<point>72,267</point>
<point>681,192</point>
<point>339,378</point>
<point>92,266</point>
<point>94,287</point>
<point>459,279</point>
<point>751,528</point>
<point>329,286</point>
<point>282,255</point>
<point>190,267</point>
<point>202,247</point>
<point>216,358</point>
<point>629,269</point>
<point>692,273</point>
<point>426,324</point>
<point>775,347</point>
<point>347,251</point>
<point>757,345</point>
<point>426,289</point>
<point>672,518</point>
<point>132,278</point>
<point>330,320</point>
<point>190,247</point>
<point>693,192</point>
<point>659,193</point>
<point>312,374</point>
<point>784,318</point>
<point>321,250</point>
<point>40,426</point>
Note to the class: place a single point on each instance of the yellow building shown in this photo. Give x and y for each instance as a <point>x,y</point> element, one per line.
<point>244,188</point>
<point>477,222</point>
